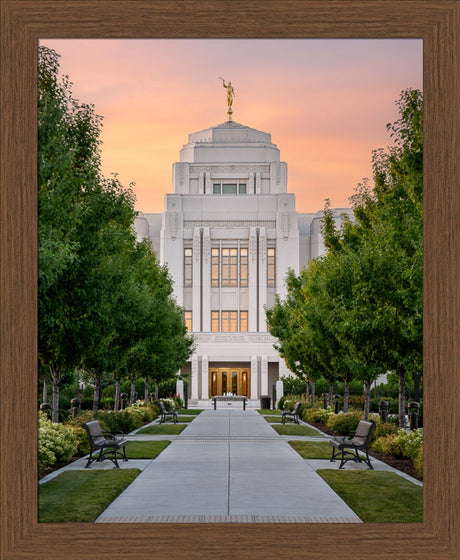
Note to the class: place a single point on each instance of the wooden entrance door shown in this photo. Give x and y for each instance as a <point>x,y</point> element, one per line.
<point>233,381</point>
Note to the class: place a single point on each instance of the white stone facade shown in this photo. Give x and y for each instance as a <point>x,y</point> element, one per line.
<point>228,234</point>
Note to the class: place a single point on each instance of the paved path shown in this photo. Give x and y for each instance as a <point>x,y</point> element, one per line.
<point>228,466</point>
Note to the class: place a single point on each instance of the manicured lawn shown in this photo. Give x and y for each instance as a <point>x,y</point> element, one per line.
<point>312,449</point>
<point>377,496</point>
<point>190,411</point>
<point>164,429</point>
<point>273,419</point>
<point>81,496</point>
<point>268,411</point>
<point>184,418</point>
<point>295,430</point>
<point>145,449</point>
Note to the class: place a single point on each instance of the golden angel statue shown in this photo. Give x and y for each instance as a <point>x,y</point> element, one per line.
<point>230,96</point>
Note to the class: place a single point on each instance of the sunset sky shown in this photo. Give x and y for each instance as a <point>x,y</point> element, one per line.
<point>324,101</point>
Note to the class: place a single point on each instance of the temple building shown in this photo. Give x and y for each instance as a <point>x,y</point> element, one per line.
<point>228,234</point>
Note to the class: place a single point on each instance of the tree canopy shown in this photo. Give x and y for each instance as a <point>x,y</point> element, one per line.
<point>105,303</point>
<point>357,310</point>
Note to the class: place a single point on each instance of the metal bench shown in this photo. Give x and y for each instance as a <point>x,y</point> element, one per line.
<point>166,415</point>
<point>291,415</point>
<point>359,442</point>
<point>110,445</point>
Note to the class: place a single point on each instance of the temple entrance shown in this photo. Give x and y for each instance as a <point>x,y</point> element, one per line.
<point>232,381</point>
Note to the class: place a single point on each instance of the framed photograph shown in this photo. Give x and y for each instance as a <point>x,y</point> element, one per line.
<point>23,24</point>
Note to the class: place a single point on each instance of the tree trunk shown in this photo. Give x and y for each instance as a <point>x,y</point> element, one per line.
<point>402,399</point>
<point>331,390</point>
<point>45,390</point>
<point>367,393</point>
<point>132,397</point>
<point>146,389</point>
<point>116,405</point>
<point>97,393</point>
<point>346,394</point>
<point>55,411</point>
<point>313,393</point>
<point>416,378</point>
<point>157,390</point>
<point>55,381</point>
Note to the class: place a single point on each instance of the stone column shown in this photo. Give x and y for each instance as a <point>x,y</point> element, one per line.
<point>279,391</point>
<point>262,280</point>
<point>194,380</point>
<point>264,376</point>
<point>205,377</point>
<point>254,375</point>
<point>196,289</point>
<point>206,282</point>
<point>253,307</point>
<point>180,389</point>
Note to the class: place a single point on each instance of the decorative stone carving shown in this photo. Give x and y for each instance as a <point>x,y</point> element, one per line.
<point>173,224</point>
<point>234,337</point>
<point>196,245</point>
<point>230,223</point>
<point>285,225</point>
<point>206,247</point>
<point>262,247</point>
<point>253,247</point>
<point>229,168</point>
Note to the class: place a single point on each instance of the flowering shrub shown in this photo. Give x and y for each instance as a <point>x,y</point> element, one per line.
<point>287,402</point>
<point>317,414</point>
<point>345,423</point>
<point>418,462</point>
<point>56,442</point>
<point>400,444</point>
<point>169,403</point>
<point>410,442</point>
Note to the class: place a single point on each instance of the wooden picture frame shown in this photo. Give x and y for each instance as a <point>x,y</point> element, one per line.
<point>23,22</point>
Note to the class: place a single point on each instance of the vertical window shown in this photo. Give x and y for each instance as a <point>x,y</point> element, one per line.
<point>229,267</point>
<point>216,188</point>
<point>215,268</point>
<point>215,321</point>
<point>243,321</point>
<point>271,267</point>
<point>242,188</point>
<point>243,268</point>
<point>188,320</point>
<point>188,278</point>
<point>229,321</point>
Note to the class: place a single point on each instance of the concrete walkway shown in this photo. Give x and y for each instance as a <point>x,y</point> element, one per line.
<point>228,466</point>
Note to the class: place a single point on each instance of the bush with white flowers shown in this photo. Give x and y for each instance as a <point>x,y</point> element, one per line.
<point>56,442</point>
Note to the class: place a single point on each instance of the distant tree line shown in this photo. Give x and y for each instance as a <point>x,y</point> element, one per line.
<point>105,304</point>
<point>356,312</point>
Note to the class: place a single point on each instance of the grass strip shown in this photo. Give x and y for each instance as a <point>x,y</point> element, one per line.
<point>312,449</point>
<point>273,419</point>
<point>268,411</point>
<point>145,449</point>
<point>190,411</point>
<point>295,430</point>
<point>184,418</point>
<point>377,496</point>
<point>81,496</point>
<point>163,429</point>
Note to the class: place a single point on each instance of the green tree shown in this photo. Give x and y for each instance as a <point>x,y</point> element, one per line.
<point>68,159</point>
<point>105,304</point>
<point>357,311</point>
